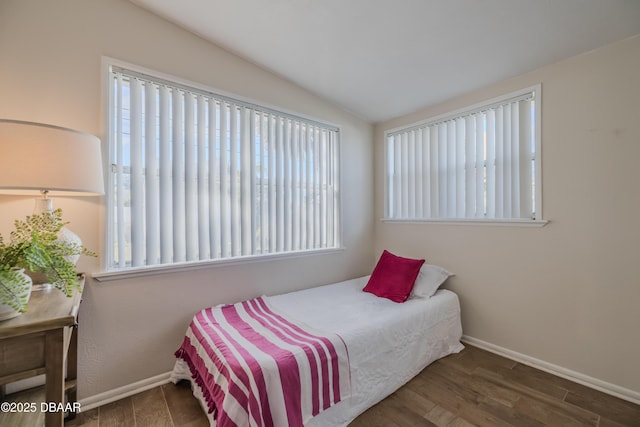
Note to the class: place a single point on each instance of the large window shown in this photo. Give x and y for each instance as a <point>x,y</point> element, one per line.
<point>476,164</point>
<point>198,176</point>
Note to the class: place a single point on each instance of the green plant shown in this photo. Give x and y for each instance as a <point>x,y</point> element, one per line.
<point>35,246</point>
<point>14,287</point>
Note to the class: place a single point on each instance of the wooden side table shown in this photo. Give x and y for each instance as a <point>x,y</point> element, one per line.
<point>40,341</point>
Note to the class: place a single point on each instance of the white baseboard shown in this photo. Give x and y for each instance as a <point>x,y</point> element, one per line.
<point>605,387</point>
<point>122,392</point>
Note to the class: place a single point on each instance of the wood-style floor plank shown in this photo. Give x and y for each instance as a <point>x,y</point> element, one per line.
<point>375,416</point>
<point>184,409</point>
<point>454,398</point>
<point>540,406</point>
<point>608,407</point>
<point>118,413</point>
<point>472,388</point>
<point>438,416</point>
<point>150,409</point>
<point>85,418</point>
<point>404,413</point>
<point>459,422</point>
<point>420,404</point>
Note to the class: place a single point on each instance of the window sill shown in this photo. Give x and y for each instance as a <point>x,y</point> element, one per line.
<point>134,272</point>
<point>471,221</point>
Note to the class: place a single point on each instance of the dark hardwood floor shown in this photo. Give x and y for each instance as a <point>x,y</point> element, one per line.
<point>472,388</point>
<point>478,388</point>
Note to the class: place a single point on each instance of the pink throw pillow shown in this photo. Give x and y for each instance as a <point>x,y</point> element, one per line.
<point>393,277</point>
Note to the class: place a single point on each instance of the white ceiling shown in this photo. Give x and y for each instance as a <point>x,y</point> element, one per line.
<point>385,58</point>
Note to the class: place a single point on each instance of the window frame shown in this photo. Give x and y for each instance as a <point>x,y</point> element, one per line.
<point>538,221</point>
<point>108,271</point>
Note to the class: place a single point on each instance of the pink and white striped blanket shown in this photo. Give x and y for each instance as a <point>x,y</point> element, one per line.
<point>256,367</point>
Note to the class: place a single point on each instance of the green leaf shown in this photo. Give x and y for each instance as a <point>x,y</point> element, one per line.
<point>14,289</point>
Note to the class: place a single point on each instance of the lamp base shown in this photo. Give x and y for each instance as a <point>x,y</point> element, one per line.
<point>45,204</point>
<point>68,236</point>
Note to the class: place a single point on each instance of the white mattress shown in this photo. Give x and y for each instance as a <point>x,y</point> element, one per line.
<point>388,343</point>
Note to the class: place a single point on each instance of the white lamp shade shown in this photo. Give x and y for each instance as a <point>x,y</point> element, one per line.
<point>36,157</point>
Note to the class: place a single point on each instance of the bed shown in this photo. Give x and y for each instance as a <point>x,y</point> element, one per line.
<point>387,343</point>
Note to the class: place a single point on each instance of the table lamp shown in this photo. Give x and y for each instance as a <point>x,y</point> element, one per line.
<point>48,161</point>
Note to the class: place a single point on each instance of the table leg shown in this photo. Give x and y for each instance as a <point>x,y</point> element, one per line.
<point>72,369</point>
<point>54,371</point>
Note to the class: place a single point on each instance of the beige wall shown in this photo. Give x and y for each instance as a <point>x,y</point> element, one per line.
<point>568,293</point>
<point>50,71</point>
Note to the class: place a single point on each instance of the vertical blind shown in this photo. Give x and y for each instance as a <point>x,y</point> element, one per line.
<point>479,164</point>
<point>196,176</point>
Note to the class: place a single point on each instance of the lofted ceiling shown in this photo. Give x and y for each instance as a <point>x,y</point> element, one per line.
<point>381,59</point>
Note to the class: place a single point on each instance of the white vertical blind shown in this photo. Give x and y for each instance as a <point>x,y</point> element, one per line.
<point>233,182</point>
<point>117,230</point>
<point>165,189</point>
<point>178,166</point>
<point>199,176</point>
<point>202,226</point>
<point>151,176</point>
<point>490,167</point>
<point>225,223</point>
<point>476,164</point>
<point>136,178</point>
<point>191,178</point>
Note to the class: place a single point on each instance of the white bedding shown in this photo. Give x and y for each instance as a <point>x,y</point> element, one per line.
<point>388,343</point>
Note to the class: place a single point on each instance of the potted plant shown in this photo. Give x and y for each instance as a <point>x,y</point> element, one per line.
<point>35,246</point>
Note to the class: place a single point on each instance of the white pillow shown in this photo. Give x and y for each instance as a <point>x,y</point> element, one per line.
<point>429,280</point>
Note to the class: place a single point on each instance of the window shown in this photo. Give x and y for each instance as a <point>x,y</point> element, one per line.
<point>196,176</point>
<point>476,164</point>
